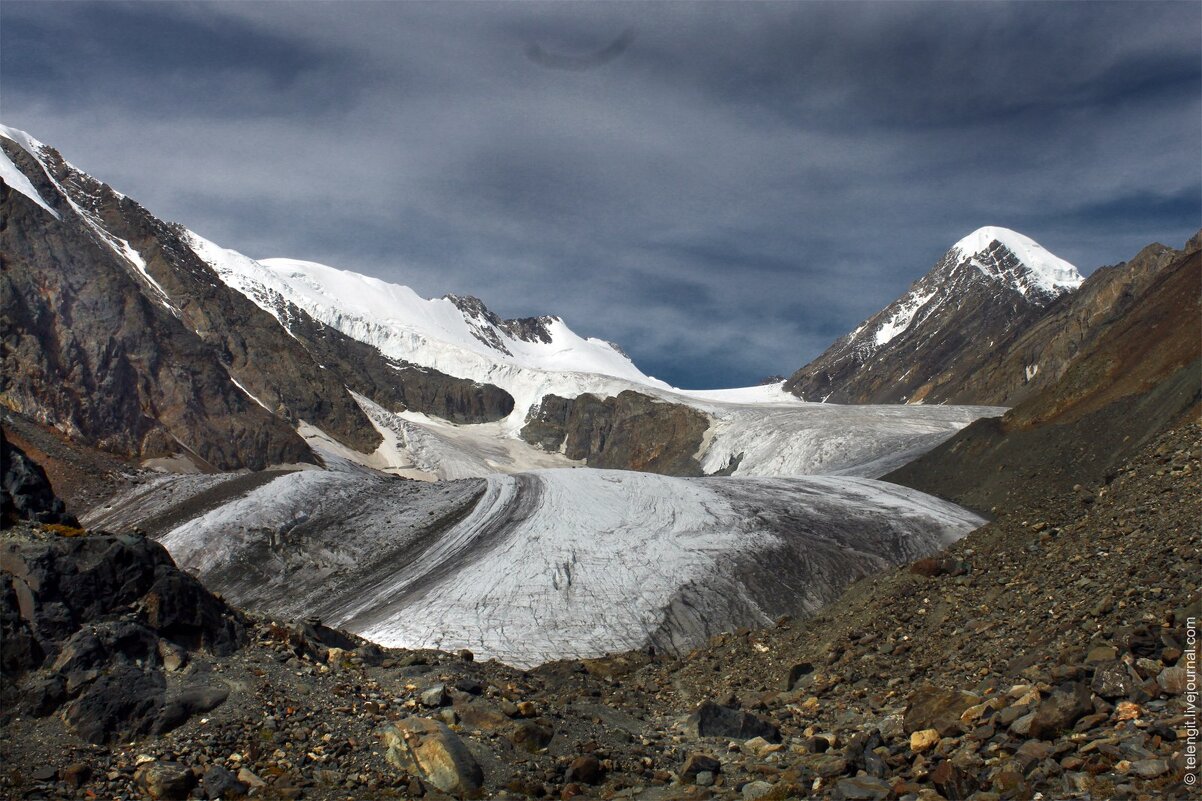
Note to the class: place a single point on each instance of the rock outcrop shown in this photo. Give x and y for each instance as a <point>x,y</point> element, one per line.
<point>90,624</point>
<point>26,493</point>
<point>630,431</point>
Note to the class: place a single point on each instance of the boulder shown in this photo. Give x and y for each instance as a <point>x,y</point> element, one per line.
<point>585,769</point>
<point>935,708</point>
<point>531,737</point>
<point>1060,710</point>
<point>25,491</point>
<point>118,705</point>
<point>697,764</point>
<point>221,783</point>
<point>862,788</point>
<point>434,753</point>
<point>924,740</point>
<point>165,780</point>
<point>1173,680</point>
<point>712,720</point>
<point>1114,680</point>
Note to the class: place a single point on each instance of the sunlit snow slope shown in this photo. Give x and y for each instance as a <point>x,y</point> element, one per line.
<point>458,336</point>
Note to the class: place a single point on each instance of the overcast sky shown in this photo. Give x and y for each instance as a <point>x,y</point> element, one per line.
<point>723,189</point>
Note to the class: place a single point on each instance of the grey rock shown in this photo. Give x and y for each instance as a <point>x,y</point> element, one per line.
<point>435,696</point>
<point>1060,710</point>
<point>862,788</point>
<point>1114,680</point>
<point>221,783</point>
<point>752,791</point>
<point>1149,768</point>
<point>1173,680</point>
<point>712,720</point>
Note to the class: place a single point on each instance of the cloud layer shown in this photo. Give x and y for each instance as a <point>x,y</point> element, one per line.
<point>721,188</point>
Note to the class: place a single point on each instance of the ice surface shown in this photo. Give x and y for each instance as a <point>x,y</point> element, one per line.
<point>555,563</point>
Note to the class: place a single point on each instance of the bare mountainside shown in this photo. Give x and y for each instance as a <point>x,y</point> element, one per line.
<point>1127,353</point>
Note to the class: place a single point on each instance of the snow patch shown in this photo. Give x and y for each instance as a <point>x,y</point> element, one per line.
<point>13,176</point>
<point>902,318</point>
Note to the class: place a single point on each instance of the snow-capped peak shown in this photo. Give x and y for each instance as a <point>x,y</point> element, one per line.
<point>1044,269</point>
<point>457,335</point>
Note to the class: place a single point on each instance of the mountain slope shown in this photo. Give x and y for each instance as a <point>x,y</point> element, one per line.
<point>1131,344</point>
<point>924,346</point>
<point>119,336</point>
<point>460,336</point>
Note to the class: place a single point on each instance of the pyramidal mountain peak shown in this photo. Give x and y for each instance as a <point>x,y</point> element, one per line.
<point>1010,257</point>
<point>988,285</point>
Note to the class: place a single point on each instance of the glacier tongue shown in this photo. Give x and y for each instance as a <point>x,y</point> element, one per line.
<point>538,566</point>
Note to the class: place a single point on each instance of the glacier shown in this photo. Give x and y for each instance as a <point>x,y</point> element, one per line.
<point>542,565</point>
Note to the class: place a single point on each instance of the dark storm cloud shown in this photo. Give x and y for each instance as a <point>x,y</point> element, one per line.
<point>723,194</point>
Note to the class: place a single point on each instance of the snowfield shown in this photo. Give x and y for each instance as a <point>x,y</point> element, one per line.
<point>549,564</point>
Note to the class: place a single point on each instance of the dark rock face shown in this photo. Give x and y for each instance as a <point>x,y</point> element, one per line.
<point>631,431</point>
<point>26,493</point>
<point>957,319</point>
<point>85,621</point>
<point>1133,371</point>
<point>485,324</point>
<point>118,335</point>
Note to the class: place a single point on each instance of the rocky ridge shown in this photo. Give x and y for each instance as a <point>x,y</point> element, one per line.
<point>630,431</point>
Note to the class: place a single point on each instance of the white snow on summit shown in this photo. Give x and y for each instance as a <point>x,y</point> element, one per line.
<point>1046,270</point>
<point>437,333</point>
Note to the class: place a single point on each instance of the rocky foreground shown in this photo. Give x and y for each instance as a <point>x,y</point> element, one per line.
<point>1044,656</point>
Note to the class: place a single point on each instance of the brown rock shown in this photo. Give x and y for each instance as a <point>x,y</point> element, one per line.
<point>435,753</point>
<point>165,780</point>
<point>935,708</point>
<point>584,769</point>
<point>924,740</point>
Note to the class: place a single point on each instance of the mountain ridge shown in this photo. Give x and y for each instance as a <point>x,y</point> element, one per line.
<point>117,334</point>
